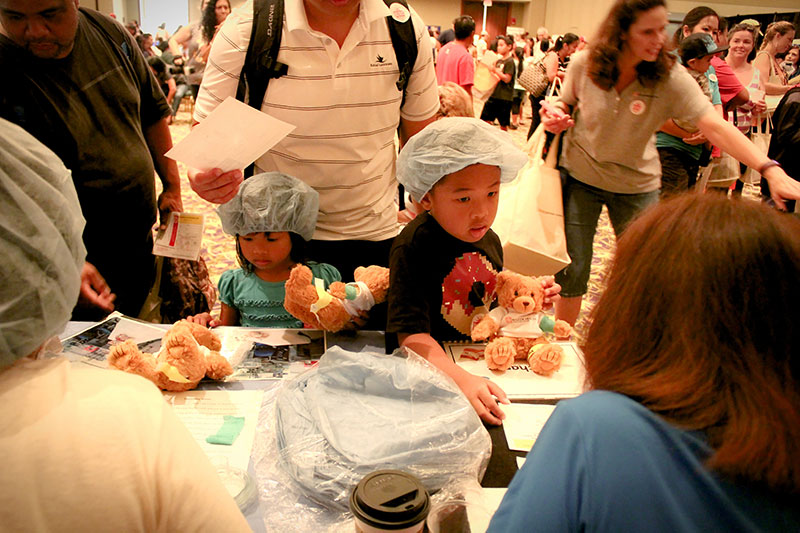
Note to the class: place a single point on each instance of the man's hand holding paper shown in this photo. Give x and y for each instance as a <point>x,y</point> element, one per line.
<point>231,138</point>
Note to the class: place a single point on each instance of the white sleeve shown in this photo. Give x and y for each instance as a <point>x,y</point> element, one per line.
<point>422,94</point>
<point>225,61</point>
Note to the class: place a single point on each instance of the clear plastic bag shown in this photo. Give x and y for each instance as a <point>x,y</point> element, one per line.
<point>355,413</point>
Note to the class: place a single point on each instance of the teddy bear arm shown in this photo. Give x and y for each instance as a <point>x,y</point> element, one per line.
<point>485,328</point>
<point>562,329</point>
<point>217,367</point>
<point>203,335</point>
<point>337,290</point>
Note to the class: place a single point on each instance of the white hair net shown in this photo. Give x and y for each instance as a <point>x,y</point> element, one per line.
<point>269,202</point>
<point>453,143</point>
<point>42,252</point>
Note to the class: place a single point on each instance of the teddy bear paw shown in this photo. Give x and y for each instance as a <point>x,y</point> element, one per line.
<point>545,359</point>
<point>499,354</point>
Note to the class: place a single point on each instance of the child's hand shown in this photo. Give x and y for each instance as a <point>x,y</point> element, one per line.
<point>204,319</point>
<point>551,291</point>
<point>695,138</point>
<point>483,395</point>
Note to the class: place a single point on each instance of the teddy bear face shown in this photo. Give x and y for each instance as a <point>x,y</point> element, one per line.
<point>523,294</point>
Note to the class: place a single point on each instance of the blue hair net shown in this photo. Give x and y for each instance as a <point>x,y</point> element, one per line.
<point>270,202</point>
<point>41,245</point>
<point>453,143</point>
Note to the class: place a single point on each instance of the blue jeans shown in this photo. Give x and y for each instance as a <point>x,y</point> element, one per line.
<point>181,91</point>
<point>582,206</point>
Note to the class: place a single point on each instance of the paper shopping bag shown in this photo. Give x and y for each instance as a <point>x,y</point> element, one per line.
<point>760,136</point>
<point>530,214</point>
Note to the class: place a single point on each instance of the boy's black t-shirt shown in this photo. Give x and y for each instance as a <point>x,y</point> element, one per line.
<point>438,282</point>
<point>503,90</point>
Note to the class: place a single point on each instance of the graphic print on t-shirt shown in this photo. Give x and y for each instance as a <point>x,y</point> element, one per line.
<point>467,290</point>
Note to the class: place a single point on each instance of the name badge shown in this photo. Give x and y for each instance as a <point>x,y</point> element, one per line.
<point>637,107</point>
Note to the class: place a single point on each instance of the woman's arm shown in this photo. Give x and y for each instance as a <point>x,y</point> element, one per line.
<point>171,90</point>
<point>763,62</point>
<point>179,39</point>
<point>550,62</point>
<point>725,135</point>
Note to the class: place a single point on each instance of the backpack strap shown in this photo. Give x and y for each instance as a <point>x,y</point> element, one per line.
<point>404,42</point>
<point>261,62</point>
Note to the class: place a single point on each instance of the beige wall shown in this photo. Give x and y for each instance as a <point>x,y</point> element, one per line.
<point>583,16</point>
<point>437,12</point>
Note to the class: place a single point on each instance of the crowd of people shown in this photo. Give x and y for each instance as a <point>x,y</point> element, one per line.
<point>688,356</point>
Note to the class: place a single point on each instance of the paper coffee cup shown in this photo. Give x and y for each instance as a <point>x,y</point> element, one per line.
<point>389,500</point>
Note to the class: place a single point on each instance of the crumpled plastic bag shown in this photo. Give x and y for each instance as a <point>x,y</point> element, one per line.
<point>357,412</point>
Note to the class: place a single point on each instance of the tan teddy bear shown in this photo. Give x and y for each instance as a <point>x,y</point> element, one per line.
<point>516,327</point>
<point>189,352</point>
<point>333,309</point>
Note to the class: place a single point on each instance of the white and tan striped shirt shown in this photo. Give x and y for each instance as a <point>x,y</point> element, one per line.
<point>345,106</point>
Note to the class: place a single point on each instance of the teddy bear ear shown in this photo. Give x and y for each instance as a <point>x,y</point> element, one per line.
<point>502,278</point>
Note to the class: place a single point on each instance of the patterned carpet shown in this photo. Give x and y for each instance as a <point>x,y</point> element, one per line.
<point>219,249</point>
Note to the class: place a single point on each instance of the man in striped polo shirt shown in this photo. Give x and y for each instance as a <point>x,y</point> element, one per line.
<point>340,92</point>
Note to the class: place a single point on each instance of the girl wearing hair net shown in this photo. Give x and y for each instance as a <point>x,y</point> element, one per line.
<point>272,218</point>
<point>88,449</point>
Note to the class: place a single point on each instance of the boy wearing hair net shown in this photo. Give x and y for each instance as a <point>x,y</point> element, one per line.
<point>87,449</point>
<point>444,263</point>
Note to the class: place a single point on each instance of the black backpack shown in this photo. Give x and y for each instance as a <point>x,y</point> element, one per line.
<point>261,62</point>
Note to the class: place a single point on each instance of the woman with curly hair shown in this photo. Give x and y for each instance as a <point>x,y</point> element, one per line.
<point>692,422</point>
<point>193,41</point>
<point>621,91</point>
<point>214,14</point>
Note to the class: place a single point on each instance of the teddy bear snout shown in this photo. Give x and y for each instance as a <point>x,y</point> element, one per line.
<point>523,304</point>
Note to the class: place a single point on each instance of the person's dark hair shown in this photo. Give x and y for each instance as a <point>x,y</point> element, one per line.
<point>723,24</point>
<point>298,253</point>
<point>464,27</point>
<point>519,53</point>
<point>606,46</point>
<point>209,21</point>
<point>140,39</point>
<point>698,323</point>
<point>544,46</point>
<point>566,39</point>
<point>157,64</point>
<point>781,27</point>
<point>507,38</point>
<point>692,19</point>
<point>752,30</point>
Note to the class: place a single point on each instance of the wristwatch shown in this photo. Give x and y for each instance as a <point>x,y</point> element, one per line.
<point>769,164</point>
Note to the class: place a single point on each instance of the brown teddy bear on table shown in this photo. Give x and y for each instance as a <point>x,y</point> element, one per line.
<point>516,327</point>
<point>189,352</point>
<point>333,309</point>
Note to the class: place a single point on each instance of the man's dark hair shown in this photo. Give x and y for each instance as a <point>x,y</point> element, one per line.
<point>464,26</point>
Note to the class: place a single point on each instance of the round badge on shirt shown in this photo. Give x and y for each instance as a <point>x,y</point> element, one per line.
<point>637,107</point>
<point>712,77</point>
<point>400,13</point>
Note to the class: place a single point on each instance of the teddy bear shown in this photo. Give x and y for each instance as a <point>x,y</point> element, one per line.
<point>515,328</point>
<point>189,352</point>
<point>333,309</point>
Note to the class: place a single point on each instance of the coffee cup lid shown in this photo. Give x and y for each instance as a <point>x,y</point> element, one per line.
<point>390,499</point>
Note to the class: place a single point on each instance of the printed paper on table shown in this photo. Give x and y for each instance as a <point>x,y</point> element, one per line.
<point>519,382</point>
